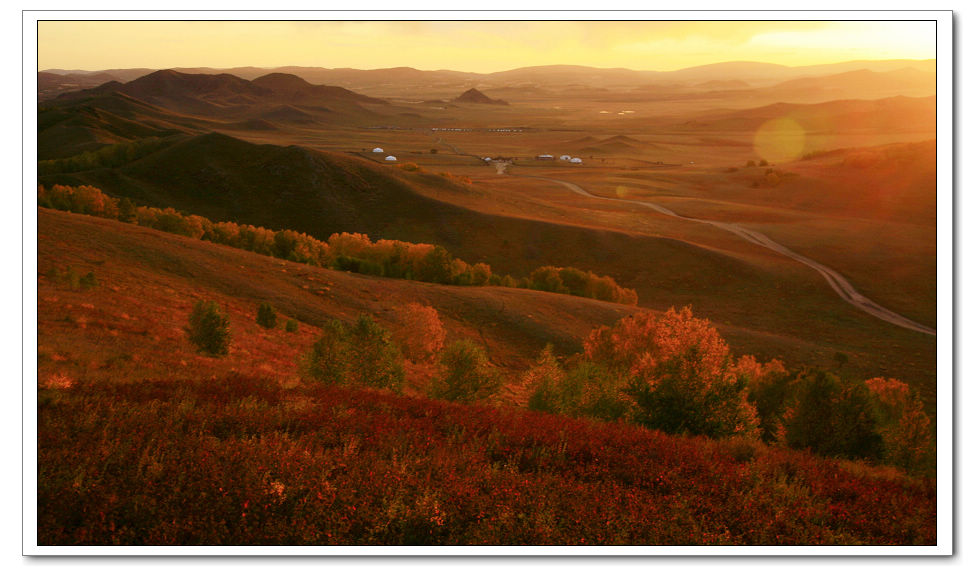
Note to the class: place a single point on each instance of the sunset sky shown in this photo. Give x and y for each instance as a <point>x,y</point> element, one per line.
<point>473,46</point>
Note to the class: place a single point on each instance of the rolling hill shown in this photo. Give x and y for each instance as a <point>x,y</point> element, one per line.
<point>840,116</point>
<point>221,96</point>
<point>88,124</point>
<point>475,96</point>
<point>166,102</point>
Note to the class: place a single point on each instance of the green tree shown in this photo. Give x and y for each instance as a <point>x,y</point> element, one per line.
<point>267,317</point>
<point>375,361</point>
<point>902,423</point>
<point>126,210</point>
<point>547,279</point>
<point>328,360</point>
<point>543,381</point>
<point>209,328</point>
<point>362,356</point>
<point>767,386</point>
<point>436,266</point>
<point>832,417</point>
<point>466,375</point>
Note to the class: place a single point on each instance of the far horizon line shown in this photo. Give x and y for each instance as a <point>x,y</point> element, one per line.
<point>621,68</point>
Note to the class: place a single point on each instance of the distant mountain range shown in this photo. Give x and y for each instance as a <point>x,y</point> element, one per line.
<point>222,93</point>
<point>404,81</point>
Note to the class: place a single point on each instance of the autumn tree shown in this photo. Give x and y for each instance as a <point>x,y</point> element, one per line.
<point>419,331</point>
<point>678,371</point>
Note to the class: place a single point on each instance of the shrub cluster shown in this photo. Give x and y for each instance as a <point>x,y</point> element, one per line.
<point>367,355</point>
<point>675,373</point>
<point>80,200</point>
<point>578,283</point>
<point>73,279</point>
<point>397,259</point>
<point>672,373</point>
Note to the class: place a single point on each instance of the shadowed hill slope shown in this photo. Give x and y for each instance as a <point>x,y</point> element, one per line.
<point>319,193</point>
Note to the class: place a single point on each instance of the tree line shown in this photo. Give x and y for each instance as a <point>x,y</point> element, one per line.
<point>352,252</point>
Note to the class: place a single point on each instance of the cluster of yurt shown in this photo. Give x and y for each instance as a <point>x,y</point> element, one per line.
<point>378,150</point>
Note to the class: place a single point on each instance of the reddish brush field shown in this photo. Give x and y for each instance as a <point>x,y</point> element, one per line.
<point>241,461</point>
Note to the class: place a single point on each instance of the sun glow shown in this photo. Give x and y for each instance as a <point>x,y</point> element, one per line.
<point>780,140</point>
<point>473,46</point>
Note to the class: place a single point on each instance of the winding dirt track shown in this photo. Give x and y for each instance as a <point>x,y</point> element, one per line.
<point>837,282</point>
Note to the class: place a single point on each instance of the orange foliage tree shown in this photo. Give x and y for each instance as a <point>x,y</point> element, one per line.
<point>678,371</point>
<point>419,331</point>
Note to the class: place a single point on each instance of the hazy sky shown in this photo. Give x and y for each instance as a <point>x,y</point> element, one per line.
<point>472,46</point>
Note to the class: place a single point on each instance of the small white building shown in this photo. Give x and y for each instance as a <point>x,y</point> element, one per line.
<point>565,157</point>
<point>576,161</point>
<point>488,159</point>
<point>391,158</point>
<point>544,157</point>
<point>377,150</point>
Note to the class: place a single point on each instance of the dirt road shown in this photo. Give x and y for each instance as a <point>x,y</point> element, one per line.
<point>836,281</point>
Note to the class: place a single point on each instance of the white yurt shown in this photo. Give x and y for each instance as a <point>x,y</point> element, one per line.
<point>391,158</point>
<point>576,160</point>
<point>488,159</point>
<point>377,150</point>
<point>565,157</point>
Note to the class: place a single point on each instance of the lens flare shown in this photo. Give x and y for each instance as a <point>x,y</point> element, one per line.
<point>780,140</point>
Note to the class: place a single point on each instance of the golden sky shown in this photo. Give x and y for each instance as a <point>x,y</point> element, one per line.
<point>477,46</point>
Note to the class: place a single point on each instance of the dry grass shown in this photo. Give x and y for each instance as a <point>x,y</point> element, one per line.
<point>131,325</point>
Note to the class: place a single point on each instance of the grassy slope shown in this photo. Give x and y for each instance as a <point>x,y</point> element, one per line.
<point>131,325</point>
<point>239,450</point>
